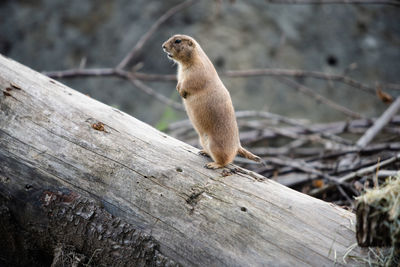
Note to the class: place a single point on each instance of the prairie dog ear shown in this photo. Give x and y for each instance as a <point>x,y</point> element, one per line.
<point>190,42</point>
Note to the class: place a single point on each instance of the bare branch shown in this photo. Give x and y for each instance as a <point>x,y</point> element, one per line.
<point>125,61</point>
<point>155,77</point>
<point>387,173</point>
<point>268,115</point>
<point>285,73</point>
<point>148,90</point>
<point>300,74</point>
<point>281,72</point>
<point>318,97</point>
<point>96,72</point>
<point>394,146</point>
<point>384,119</point>
<point>358,173</point>
<point>321,133</point>
<point>72,73</point>
<point>301,165</point>
<point>116,73</point>
<point>391,86</point>
<point>231,73</point>
<point>282,150</point>
<point>234,74</point>
<point>354,2</point>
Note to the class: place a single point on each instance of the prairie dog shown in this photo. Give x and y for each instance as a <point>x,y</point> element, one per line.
<point>207,102</point>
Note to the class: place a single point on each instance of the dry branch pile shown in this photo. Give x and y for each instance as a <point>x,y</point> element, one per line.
<point>329,155</point>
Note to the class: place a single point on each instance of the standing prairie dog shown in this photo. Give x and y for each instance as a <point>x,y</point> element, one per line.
<point>207,102</point>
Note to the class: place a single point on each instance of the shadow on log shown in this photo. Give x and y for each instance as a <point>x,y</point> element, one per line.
<point>78,176</point>
<point>66,228</point>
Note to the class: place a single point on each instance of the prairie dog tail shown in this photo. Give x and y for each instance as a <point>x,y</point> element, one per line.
<point>248,155</point>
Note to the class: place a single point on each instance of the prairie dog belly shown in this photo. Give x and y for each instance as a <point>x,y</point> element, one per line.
<point>212,114</point>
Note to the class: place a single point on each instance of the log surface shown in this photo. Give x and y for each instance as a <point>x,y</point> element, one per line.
<point>156,183</point>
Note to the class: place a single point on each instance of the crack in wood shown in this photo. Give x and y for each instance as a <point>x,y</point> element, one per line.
<point>13,85</point>
<point>5,93</point>
<point>194,197</point>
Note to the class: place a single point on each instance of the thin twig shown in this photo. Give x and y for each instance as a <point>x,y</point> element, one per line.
<point>293,179</point>
<point>125,61</point>
<point>155,77</point>
<point>343,193</point>
<point>327,130</point>
<point>282,150</point>
<point>353,2</point>
<point>358,173</point>
<point>272,116</point>
<point>369,149</point>
<point>232,74</point>
<point>383,120</point>
<point>391,86</point>
<point>307,91</point>
<point>181,128</point>
<point>244,114</point>
<point>71,73</point>
<point>299,74</point>
<point>301,165</point>
<point>283,73</point>
<point>148,90</point>
<point>269,115</point>
<point>387,173</point>
<point>369,169</point>
<point>98,72</point>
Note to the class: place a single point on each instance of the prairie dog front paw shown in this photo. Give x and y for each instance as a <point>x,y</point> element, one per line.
<point>180,90</point>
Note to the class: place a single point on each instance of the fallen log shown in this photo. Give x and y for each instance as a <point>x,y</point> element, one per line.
<point>77,173</point>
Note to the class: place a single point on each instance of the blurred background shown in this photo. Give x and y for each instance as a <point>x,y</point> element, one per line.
<point>360,41</point>
<point>315,145</point>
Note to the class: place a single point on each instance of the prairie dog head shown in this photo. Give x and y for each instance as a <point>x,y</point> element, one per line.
<point>180,48</point>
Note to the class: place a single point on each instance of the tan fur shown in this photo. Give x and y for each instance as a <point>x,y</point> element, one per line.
<point>207,101</point>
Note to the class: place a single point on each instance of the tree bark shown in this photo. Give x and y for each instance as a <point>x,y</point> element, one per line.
<point>76,172</point>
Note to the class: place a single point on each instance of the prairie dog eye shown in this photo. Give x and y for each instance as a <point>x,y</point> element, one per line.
<point>177,41</point>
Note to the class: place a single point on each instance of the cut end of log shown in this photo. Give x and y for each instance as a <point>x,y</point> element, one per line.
<point>378,216</point>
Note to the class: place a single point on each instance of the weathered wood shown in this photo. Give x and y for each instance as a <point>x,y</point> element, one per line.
<point>194,216</point>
